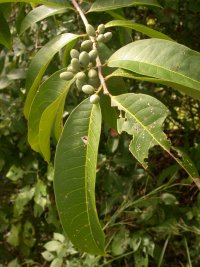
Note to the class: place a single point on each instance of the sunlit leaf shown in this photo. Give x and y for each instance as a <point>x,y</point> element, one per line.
<point>104,5</point>
<point>43,112</point>
<point>137,27</point>
<point>40,13</point>
<point>168,61</point>
<point>40,63</point>
<point>74,181</point>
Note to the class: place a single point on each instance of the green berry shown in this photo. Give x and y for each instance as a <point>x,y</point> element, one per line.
<point>93,54</point>
<point>86,45</point>
<point>90,30</point>
<point>107,36</point>
<point>92,74</point>
<point>74,53</point>
<point>81,76</point>
<point>66,75</point>
<point>100,38</point>
<point>84,59</point>
<point>88,89</point>
<point>79,84</point>
<point>94,99</point>
<point>101,29</point>
<point>75,64</point>
<point>70,69</point>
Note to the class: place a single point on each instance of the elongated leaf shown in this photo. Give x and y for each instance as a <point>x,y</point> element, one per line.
<point>138,27</point>
<point>5,37</point>
<point>58,122</point>
<point>44,2</point>
<point>40,63</point>
<point>74,181</point>
<point>144,117</point>
<point>38,14</point>
<point>104,5</point>
<point>50,92</point>
<point>171,62</point>
<point>131,75</point>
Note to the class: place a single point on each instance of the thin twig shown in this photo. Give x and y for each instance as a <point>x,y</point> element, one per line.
<point>98,61</point>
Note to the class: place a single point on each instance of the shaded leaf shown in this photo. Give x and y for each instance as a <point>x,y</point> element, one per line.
<point>137,27</point>
<point>44,2</point>
<point>40,13</point>
<point>104,5</point>
<point>174,63</point>
<point>40,63</point>
<point>74,181</point>
<point>5,36</point>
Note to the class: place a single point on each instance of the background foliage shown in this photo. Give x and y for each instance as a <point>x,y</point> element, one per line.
<point>151,217</point>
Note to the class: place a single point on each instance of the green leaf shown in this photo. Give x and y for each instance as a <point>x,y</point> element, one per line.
<point>51,95</point>
<point>5,36</point>
<point>175,64</point>
<point>104,5</point>
<point>44,2</point>
<point>53,245</point>
<point>58,122</point>
<point>74,181</point>
<point>143,118</point>
<point>138,27</point>
<point>40,63</point>
<point>40,13</point>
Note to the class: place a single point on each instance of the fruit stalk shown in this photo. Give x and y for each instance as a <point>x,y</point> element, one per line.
<point>98,61</point>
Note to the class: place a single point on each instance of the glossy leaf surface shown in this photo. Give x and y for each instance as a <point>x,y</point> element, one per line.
<point>137,27</point>
<point>74,182</point>
<point>38,14</point>
<point>40,63</point>
<point>104,5</point>
<point>168,61</point>
<point>43,112</point>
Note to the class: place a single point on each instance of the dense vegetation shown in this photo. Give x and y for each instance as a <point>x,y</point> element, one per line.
<point>150,216</point>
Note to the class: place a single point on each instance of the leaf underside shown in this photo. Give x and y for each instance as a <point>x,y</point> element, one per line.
<point>175,64</point>
<point>74,182</point>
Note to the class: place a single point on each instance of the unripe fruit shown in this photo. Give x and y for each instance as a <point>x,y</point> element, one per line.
<point>66,75</point>
<point>84,58</point>
<point>94,99</point>
<point>101,38</point>
<point>79,84</point>
<point>70,69</point>
<point>74,53</point>
<point>81,76</point>
<point>90,30</point>
<point>107,36</point>
<point>86,45</point>
<point>88,89</point>
<point>75,64</point>
<point>101,29</point>
<point>93,54</point>
<point>92,74</point>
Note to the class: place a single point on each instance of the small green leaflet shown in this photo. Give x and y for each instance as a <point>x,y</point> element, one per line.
<point>75,174</point>
<point>137,27</point>
<point>175,64</point>
<point>40,63</point>
<point>43,112</point>
<point>142,116</point>
<point>38,14</point>
<point>104,5</point>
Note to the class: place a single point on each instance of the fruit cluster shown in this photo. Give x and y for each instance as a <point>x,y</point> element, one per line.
<point>83,62</point>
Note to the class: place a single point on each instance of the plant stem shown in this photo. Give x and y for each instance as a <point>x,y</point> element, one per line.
<point>98,61</point>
